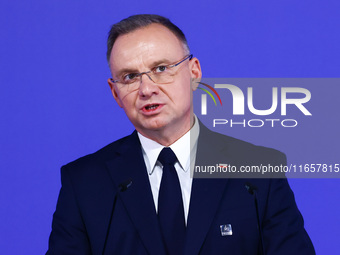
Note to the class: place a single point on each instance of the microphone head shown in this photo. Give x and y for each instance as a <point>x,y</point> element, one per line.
<point>125,185</point>
<point>250,188</point>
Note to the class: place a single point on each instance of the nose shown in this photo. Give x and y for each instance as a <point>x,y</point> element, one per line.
<point>147,86</point>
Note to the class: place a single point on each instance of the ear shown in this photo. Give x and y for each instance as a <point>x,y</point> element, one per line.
<point>114,92</point>
<point>196,73</point>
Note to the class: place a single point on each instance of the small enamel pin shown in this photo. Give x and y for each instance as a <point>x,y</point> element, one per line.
<point>226,230</point>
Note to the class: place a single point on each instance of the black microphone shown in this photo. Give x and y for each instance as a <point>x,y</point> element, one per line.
<point>252,189</point>
<point>121,188</point>
<point>125,185</point>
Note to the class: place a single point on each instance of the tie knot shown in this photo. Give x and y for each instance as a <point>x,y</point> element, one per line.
<point>167,156</point>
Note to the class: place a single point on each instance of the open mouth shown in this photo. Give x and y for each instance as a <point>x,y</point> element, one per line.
<point>151,107</point>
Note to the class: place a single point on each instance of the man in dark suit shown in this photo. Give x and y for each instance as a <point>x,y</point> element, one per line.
<point>136,195</point>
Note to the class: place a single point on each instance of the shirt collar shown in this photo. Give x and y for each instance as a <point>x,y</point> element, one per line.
<point>183,148</point>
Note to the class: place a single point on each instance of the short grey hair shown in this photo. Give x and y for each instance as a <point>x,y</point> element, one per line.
<point>135,22</point>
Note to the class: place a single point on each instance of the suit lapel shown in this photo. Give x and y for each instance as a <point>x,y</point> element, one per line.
<point>138,200</point>
<point>206,194</point>
<point>205,197</point>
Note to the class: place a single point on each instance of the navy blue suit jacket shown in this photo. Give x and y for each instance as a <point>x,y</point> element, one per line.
<point>90,185</point>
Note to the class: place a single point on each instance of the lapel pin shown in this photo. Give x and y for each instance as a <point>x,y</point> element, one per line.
<point>226,230</point>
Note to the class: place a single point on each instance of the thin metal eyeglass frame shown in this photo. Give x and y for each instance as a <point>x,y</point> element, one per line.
<point>168,66</point>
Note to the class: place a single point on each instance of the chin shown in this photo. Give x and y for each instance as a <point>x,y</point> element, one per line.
<point>155,125</point>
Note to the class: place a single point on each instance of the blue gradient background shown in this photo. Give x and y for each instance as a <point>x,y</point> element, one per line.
<point>56,105</point>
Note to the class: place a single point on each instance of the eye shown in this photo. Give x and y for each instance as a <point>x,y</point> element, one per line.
<point>129,77</point>
<point>160,69</point>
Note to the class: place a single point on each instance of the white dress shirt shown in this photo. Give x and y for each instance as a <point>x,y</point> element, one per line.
<point>185,150</point>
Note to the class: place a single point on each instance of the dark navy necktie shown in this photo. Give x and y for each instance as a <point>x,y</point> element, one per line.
<point>170,205</point>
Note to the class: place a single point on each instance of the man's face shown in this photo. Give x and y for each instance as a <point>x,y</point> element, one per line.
<point>154,108</point>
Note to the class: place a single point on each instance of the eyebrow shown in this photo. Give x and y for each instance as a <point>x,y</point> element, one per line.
<point>152,65</point>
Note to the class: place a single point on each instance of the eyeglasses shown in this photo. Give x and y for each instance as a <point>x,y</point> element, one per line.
<point>162,74</point>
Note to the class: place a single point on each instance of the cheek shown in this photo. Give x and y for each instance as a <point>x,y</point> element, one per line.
<point>182,99</point>
<point>128,103</point>
<point>185,93</point>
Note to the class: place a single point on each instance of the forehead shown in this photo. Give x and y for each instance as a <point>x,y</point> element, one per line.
<point>145,45</point>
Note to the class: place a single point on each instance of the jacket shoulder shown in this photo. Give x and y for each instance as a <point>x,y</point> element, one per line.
<point>235,146</point>
<point>101,156</point>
